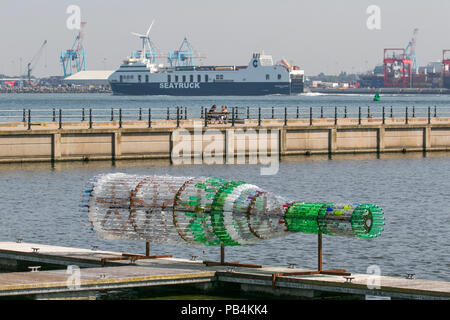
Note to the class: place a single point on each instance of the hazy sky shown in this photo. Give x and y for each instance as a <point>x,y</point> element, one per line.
<point>318,35</point>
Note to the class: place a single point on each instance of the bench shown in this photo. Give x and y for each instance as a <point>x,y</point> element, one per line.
<point>210,116</point>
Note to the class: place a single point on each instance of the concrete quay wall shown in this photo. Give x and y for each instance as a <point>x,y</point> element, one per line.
<point>134,141</point>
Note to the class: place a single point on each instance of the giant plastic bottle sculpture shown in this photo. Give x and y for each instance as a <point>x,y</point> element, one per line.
<point>213,212</point>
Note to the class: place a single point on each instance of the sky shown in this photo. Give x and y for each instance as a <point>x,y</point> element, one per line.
<point>318,35</point>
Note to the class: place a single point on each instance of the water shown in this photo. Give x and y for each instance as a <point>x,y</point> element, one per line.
<point>40,202</point>
<point>131,104</point>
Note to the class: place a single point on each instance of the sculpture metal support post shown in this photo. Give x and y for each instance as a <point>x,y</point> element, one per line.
<point>147,249</point>
<point>319,252</point>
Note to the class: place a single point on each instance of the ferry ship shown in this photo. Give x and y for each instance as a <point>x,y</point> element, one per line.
<point>141,75</point>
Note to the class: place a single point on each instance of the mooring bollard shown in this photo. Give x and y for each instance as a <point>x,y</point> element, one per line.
<point>149,117</point>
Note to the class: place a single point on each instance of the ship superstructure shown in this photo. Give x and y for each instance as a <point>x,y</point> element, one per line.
<point>141,75</point>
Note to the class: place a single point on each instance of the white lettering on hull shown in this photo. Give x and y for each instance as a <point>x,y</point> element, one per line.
<point>179,85</point>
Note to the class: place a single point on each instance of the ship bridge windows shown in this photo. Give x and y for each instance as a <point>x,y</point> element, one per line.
<point>146,78</point>
<point>279,76</point>
<point>176,78</point>
<point>199,78</point>
<point>191,78</point>
<point>169,78</point>
<point>219,76</point>
<point>267,76</point>
<point>206,78</point>
<point>121,78</point>
<point>139,78</point>
<point>184,78</point>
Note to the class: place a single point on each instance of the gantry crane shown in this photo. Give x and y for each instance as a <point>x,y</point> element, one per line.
<point>34,60</point>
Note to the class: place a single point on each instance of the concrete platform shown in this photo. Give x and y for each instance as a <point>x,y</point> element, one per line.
<point>172,271</point>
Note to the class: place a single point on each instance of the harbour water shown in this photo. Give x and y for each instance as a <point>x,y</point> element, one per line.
<point>40,202</point>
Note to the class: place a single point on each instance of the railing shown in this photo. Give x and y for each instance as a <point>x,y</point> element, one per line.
<point>281,115</point>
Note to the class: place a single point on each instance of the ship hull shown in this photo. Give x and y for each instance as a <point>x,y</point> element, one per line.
<point>206,89</point>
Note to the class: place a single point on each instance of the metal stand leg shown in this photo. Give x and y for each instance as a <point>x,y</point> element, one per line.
<point>230,264</point>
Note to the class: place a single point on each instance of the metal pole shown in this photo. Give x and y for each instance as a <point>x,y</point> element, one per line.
<point>201,114</point>
<point>54,115</point>
<point>185,113</point>
<point>319,252</point>
<point>24,116</point>
<point>297,113</point>
<point>248,112</point>
<point>90,118</point>
<point>29,119</point>
<point>147,249</point>
<point>82,115</point>
<point>406,115</point>
<point>435,113</point>
<point>310,116</point>
<point>168,113</point>
<point>273,113</point>
<point>392,113</point>
<point>285,116</point>
<point>259,116</point>
<point>112,114</point>
<point>232,116</point>
<point>149,117</point>
<point>120,118</point>
<point>321,112</point>
<point>383,116</point>
<point>335,115</point>
<point>345,112</point>
<point>414,112</point>
<point>429,115</point>
<point>368,112</point>
<point>60,119</point>
<point>359,115</point>
<point>222,254</point>
<point>206,118</point>
<point>140,113</point>
<point>178,117</point>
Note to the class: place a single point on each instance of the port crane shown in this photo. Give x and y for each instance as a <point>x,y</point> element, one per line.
<point>411,51</point>
<point>184,56</point>
<point>34,60</point>
<point>74,59</point>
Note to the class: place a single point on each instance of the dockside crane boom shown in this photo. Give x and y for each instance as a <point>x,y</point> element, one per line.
<point>34,61</point>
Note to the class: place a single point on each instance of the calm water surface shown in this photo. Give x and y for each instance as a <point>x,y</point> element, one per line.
<point>40,203</point>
